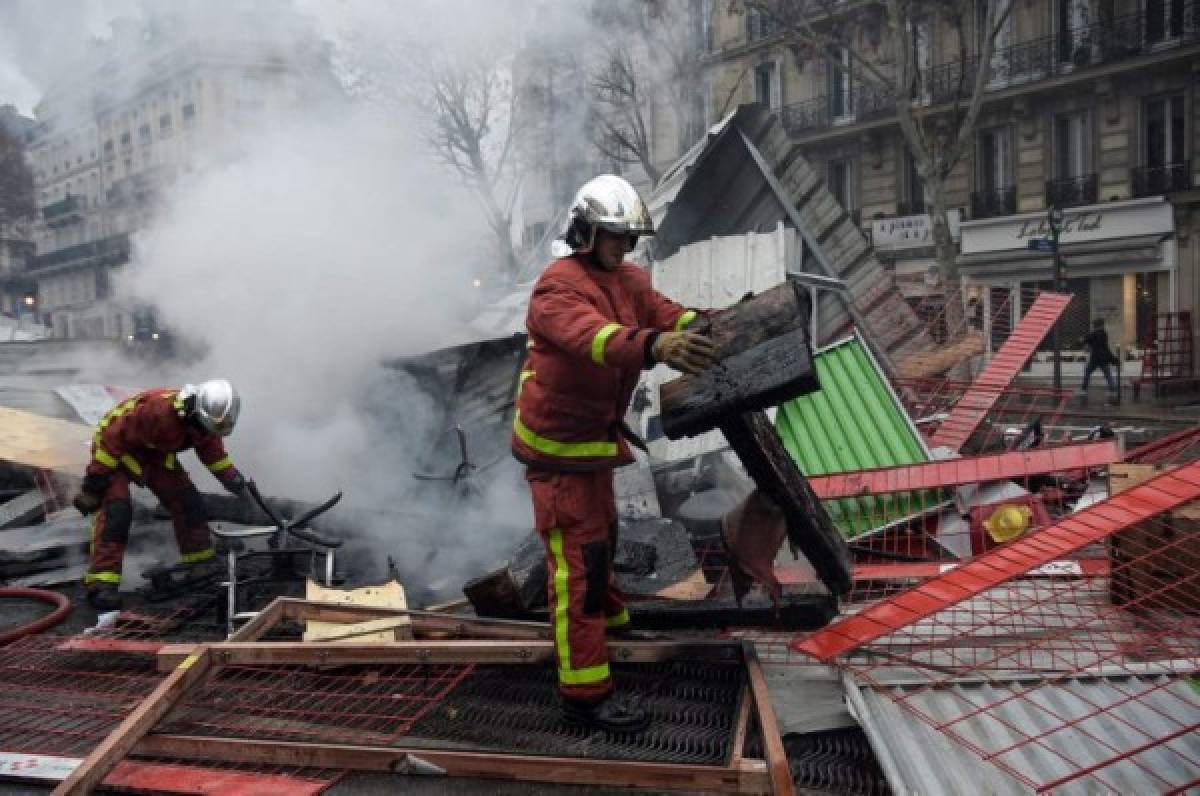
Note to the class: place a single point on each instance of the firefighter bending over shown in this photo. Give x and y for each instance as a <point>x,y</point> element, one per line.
<point>139,441</point>
<point>594,324</point>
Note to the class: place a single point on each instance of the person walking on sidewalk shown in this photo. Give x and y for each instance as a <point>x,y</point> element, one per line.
<point>1101,357</point>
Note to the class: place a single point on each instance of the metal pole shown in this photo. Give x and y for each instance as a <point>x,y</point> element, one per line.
<point>1060,287</point>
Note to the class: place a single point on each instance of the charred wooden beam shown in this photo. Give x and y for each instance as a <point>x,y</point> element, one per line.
<point>809,527</point>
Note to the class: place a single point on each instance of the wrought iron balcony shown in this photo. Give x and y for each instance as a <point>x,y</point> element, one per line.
<point>914,208</point>
<point>1071,191</point>
<point>865,101</point>
<point>113,250</point>
<point>1168,177</point>
<point>1109,41</point>
<point>989,204</point>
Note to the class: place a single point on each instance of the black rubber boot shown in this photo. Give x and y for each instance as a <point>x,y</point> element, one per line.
<point>104,598</point>
<point>612,714</point>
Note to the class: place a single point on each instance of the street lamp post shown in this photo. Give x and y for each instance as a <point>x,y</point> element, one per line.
<point>1055,218</point>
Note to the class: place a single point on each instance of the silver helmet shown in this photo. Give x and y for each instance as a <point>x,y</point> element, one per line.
<point>216,405</point>
<point>605,202</point>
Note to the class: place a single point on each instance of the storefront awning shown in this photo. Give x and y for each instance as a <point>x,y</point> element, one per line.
<point>1088,259</point>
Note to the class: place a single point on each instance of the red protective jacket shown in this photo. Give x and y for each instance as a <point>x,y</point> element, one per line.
<point>151,425</point>
<point>588,330</point>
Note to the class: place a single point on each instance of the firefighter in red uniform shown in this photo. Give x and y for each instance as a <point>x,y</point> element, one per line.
<point>594,324</point>
<point>139,441</point>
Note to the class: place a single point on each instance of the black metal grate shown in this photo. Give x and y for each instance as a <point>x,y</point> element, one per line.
<point>516,709</point>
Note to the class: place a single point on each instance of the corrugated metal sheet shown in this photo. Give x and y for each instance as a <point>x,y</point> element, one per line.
<point>749,176</point>
<point>1138,732</point>
<point>854,422</point>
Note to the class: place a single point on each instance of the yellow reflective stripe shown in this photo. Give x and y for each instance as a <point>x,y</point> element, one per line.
<point>131,464</point>
<point>588,676</point>
<point>551,447</point>
<point>102,577</point>
<point>525,376</point>
<point>169,462</point>
<point>620,620</point>
<point>199,555</point>
<point>562,643</point>
<point>221,464</point>
<point>116,412</point>
<point>685,320</point>
<point>106,458</point>
<point>601,340</point>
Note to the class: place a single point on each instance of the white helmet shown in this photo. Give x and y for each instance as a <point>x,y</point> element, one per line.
<point>605,202</point>
<point>215,405</point>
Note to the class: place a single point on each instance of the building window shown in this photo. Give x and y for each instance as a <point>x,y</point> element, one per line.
<point>1074,37</point>
<point>108,148</point>
<point>766,85</point>
<point>1163,130</point>
<point>995,191</point>
<point>144,135</point>
<point>1165,165</point>
<point>841,105</point>
<point>126,140</point>
<point>759,25</point>
<point>164,124</point>
<point>1073,182</point>
<point>840,178</point>
<point>1072,146</point>
<point>1164,20</point>
<point>189,113</point>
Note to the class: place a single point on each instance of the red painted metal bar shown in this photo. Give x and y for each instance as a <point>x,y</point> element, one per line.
<point>915,570</point>
<point>1159,494</point>
<point>84,644</point>
<point>952,472</point>
<point>956,429</point>
<point>160,778</point>
<point>1154,452</point>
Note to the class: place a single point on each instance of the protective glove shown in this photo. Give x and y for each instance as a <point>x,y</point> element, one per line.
<point>86,502</point>
<point>236,485</point>
<point>685,351</point>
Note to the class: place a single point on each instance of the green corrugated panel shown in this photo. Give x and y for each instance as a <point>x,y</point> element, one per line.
<point>853,423</point>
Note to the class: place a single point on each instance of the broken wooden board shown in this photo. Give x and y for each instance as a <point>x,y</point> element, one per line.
<point>767,375</point>
<point>809,527</point>
<point>44,442</point>
<point>388,595</point>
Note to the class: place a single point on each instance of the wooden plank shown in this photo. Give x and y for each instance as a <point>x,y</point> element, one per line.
<point>97,765</point>
<point>44,442</point>
<point>778,769</point>
<point>809,527</point>
<point>746,778</point>
<point>424,622</point>
<point>161,777</point>
<point>388,595</point>
<point>741,726</point>
<point>301,653</point>
<point>753,321</point>
<point>395,628</point>
<point>765,376</point>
